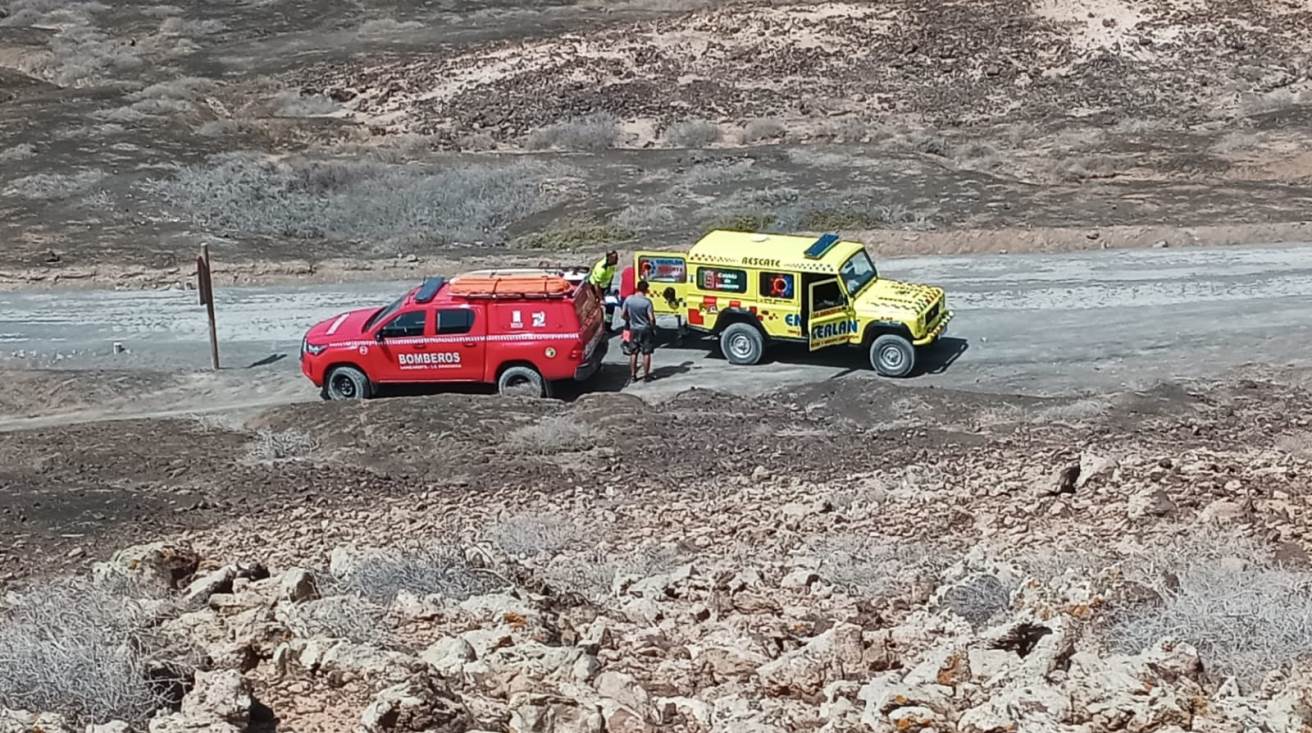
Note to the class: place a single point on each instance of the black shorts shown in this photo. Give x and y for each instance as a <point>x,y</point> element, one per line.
<point>641,341</point>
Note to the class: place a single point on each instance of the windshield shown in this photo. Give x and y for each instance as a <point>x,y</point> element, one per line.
<point>382,313</point>
<point>857,272</point>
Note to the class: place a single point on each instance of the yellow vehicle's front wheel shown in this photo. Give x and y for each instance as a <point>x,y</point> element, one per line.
<point>892,355</point>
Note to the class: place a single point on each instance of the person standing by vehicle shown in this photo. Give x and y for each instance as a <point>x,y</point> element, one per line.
<point>603,273</point>
<point>600,278</point>
<point>640,323</point>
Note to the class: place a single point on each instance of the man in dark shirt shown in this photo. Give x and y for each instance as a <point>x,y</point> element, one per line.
<point>640,322</point>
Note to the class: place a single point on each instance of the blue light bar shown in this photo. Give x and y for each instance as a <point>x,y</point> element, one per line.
<point>429,289</point>
<point>821,246</point>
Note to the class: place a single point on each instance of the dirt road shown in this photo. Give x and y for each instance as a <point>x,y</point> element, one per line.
<point>1033,324</point>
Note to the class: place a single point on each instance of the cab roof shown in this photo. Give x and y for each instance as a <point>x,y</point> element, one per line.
<point>825,253</point>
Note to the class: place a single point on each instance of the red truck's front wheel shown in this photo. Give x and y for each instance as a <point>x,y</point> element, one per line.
<point>347,383</point>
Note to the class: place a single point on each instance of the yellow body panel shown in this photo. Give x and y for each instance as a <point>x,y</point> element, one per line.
<point>770,277</point>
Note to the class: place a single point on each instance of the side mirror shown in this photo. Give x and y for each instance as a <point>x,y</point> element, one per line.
<point>382,334</point>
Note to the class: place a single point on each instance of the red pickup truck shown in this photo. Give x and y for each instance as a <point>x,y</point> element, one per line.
<point>518,329</point>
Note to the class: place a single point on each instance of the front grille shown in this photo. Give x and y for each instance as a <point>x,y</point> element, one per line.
<point>932,314</point>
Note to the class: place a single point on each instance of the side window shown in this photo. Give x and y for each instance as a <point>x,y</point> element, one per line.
<point>407,325</point>
<point>725,281</point>
<point>454,321</point>
<point>780,285</point>
<point>828,295</point>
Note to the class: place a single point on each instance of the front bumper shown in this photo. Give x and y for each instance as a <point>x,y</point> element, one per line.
<point>938,330</point>
<point>592,365</point>
<point>311,370</point>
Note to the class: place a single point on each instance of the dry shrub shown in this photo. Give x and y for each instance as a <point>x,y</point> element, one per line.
<point>84,652</point>
<point>1089,167</point>
<point>49,186</point>
<point>279,445</point>
<point>528,535</point>
<point>184,89</point>
<point>175,26</point>
<point>765,129</point>
<point>592,574</point>
<point>593,133</point>
<point>978,156</point>
<point>379,575</point>
<point>17,152</point>
<point>978,599</point>
<point>872,565</point>
<point>291,104</point>
<point>646,217</point>
<point>553,434</point>
<point>929,142</point>
<point>1251,105</point>
<point>386,26</point>
<point>346,617</point>
<point>358,200</point>
<point>1223,594</point>
<point>693,134</point>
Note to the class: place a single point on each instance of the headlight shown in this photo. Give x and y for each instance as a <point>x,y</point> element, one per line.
<point>311,349</point>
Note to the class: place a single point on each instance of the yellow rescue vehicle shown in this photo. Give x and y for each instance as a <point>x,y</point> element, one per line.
<point>750,289</point>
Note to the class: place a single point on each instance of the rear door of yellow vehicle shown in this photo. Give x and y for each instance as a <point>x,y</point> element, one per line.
<point>829,314</point>
<point>667,273</point>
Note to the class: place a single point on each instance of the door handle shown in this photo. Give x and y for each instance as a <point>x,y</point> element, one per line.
<point>421,347</point>
<point>470,344</point>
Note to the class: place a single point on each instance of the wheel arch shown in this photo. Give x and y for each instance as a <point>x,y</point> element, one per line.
<point>730,316</point>
<point>323,377</point>
<point>875,329</point>
<point>510,363</point>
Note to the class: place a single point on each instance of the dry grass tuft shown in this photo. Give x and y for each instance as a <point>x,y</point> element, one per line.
<point>553,434</point>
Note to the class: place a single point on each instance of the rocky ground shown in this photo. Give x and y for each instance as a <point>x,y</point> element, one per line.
<point>850,556</point>
<point>318,139</point>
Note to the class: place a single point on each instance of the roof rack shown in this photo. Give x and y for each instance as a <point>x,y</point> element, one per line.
<point>428,290</point>
<point>511,284</point>
<point>821,246</point>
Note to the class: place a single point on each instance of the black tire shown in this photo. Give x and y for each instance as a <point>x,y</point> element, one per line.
<point>523,381</point>
<point>347,383</point>
<point>892,356</point>
<point>742,344</point>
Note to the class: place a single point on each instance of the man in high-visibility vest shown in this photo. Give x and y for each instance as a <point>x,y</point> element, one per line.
<point>600,278</point>
<point>604,271</point>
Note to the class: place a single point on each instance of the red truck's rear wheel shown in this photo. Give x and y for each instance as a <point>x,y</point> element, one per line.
<point>523,381</point>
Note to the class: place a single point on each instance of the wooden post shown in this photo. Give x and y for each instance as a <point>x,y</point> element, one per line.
<point>205,285</point>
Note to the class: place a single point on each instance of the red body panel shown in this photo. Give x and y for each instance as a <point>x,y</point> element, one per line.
<point>628,284</point>
<point>461,339</point>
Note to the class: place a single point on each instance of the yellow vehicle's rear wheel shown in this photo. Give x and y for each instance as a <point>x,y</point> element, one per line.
<point>742,344</point>
<point>892,355</point>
